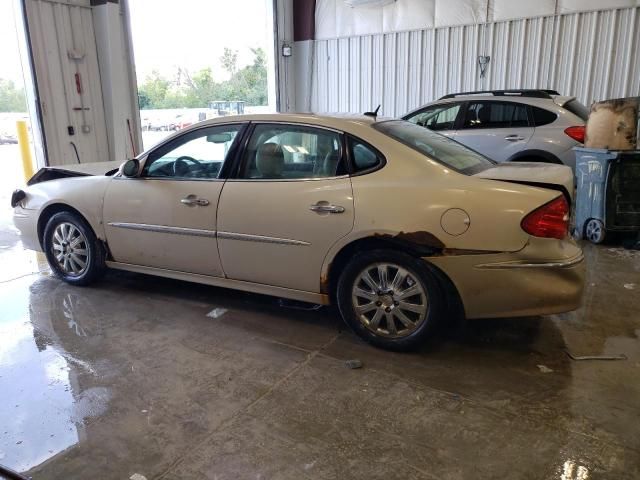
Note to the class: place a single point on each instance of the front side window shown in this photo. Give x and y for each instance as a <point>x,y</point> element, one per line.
<point>496,115</point>
<point>289,152</point>
<point>198,154</point>
<point>436,146</point>
<point>437,117</point>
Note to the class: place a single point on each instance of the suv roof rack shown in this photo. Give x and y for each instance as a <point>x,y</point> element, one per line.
<point>535,93</point>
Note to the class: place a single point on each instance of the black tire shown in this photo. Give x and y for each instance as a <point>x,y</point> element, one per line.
<point>390,304</point>
<point>94,265</point>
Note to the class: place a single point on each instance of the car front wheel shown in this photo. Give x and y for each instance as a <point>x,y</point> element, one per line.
<point>390,299</point>
<point>72,249</point>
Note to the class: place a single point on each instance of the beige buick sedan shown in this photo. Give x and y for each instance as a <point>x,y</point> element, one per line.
<point>395,224</point>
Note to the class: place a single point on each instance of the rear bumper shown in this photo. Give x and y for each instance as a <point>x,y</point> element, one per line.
<point>27,222</point>
<point>499,285</point>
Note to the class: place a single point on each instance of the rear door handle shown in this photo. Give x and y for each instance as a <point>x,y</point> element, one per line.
<point>191,200</point>
<point>326,207</point>
<point>513,138</point>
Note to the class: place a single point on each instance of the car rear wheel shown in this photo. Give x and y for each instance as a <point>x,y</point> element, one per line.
<point>72,249</point>
<point>390,299</point>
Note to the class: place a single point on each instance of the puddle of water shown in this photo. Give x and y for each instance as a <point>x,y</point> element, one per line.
<point>16,262</point>
<point>36,387</point>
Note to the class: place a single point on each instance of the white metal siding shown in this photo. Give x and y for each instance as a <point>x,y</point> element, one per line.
<point>592,55</point>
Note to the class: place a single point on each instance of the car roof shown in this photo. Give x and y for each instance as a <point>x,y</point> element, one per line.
<point>554,101</point>
<point>338,121</point>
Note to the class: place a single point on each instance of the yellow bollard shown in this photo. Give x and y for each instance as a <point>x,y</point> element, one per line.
<point>25,149</point>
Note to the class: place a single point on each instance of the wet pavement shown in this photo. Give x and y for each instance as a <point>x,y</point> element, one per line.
<point>173,380</point>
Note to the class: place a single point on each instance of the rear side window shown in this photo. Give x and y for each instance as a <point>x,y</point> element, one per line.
<point>496,115</point>
<point>577,109</point>
<point>363,156</point>
<point>543,117</point>
<point>436,146</point>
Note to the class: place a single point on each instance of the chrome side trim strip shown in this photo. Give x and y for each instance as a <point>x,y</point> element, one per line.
<point>508,265</point>
<point>260,238</point>
<point>196,232</point>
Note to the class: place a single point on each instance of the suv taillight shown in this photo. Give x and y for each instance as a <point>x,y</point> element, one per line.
<point>551,220</point>
<point>577,133</point>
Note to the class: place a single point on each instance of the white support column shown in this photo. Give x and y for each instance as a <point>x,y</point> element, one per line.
<point>285,65</point>
<point>117,75</point>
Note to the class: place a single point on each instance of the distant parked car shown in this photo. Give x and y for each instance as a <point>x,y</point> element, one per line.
<point>8,139</point>
<point>509,125</point>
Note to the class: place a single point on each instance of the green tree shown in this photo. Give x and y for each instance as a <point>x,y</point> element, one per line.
<point>12,99</point>
<point>143,100</point>
<point>154,89</point>
<point>196,91</point>
<point>229,60</point>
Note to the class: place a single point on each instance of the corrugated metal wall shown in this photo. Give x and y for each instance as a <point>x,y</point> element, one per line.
<point>594,56</point>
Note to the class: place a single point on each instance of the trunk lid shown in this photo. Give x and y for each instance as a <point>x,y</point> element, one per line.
<point>545,175</point>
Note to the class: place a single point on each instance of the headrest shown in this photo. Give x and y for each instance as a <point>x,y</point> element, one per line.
<point>270,160</point>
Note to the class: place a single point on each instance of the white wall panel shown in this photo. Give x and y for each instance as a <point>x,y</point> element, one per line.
<point>509,9</point>
<point>460,12</point>
<point>593,55</point>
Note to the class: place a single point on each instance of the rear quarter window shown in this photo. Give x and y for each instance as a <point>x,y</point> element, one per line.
<point>543,117</point>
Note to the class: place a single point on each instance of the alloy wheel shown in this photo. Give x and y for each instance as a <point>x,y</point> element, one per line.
<point>389,300</point>
<point>70,249</point>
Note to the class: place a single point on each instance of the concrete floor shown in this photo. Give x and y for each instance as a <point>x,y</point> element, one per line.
<point>172,380</point>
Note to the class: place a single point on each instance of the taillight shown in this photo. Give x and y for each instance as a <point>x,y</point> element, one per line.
<point>549,221</point>
<point>577,133</point>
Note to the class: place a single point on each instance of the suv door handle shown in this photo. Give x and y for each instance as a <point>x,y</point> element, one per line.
<point>326,207</point>
<point>513,138</point>
<point>193,200</point>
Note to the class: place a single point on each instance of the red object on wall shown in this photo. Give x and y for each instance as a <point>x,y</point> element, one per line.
<point>78,84</point>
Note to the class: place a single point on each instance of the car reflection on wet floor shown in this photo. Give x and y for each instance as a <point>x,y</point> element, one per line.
<point>176,380</point>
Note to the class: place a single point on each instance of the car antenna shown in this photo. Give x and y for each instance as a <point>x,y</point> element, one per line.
<point>373,114</point>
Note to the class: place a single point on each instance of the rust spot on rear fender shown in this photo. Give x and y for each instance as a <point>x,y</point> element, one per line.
<point>421,238</point>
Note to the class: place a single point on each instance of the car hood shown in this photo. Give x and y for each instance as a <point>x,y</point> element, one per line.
<point>547,175</point>
<point>73,170</point>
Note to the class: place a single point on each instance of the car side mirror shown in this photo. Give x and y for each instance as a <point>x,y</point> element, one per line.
<point>130,168</point>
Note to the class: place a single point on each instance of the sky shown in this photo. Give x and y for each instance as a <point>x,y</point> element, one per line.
<point>10,67</point>
<point>166,34</point>
<point>194,35</point>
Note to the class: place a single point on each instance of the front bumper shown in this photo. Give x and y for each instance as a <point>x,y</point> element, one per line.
<point>27,222</point>
<point>516,284</point>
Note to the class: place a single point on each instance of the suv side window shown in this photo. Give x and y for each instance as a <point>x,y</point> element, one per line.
<point>496,115</point>
<point>542,117</point>
<point>291,152</point>
<point>437,117</point>
<point>363,156</point>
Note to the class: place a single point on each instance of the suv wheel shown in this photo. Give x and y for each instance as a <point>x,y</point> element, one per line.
<point>389,298</point>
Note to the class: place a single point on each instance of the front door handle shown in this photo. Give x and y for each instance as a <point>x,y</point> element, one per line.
<point>513,138</point>
<point>192,200</point>
<point>325,207</point>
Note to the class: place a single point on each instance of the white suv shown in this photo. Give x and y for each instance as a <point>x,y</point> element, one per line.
<point>509,125</point>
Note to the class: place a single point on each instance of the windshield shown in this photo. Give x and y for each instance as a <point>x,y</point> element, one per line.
<point>435,146</point>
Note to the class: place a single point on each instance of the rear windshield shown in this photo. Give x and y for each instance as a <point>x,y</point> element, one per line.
<point>577,109</point>
<point>435,146</point>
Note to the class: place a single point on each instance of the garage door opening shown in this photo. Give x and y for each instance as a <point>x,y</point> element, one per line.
<point>201,61</point>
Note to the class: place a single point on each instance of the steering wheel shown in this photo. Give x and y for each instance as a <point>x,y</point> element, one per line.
<point>180,166</point>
